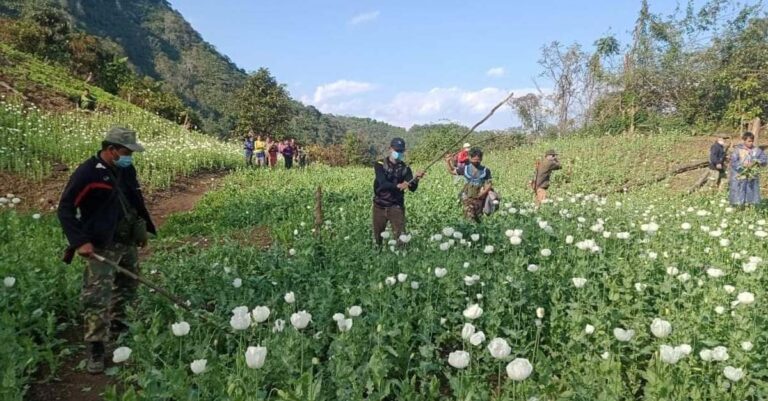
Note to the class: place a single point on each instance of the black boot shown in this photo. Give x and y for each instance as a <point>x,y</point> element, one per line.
<point>95,363</point>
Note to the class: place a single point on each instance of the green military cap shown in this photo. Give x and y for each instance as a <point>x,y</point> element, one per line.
<point>124,137</point>
<point>551,152</point>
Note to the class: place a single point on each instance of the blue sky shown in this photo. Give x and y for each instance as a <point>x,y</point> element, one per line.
<point>406,62</point>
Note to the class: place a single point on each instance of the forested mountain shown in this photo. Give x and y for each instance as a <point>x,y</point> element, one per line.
<point>159,43</point>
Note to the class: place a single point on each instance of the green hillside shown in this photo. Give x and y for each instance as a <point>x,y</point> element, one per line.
<point>33,140</point>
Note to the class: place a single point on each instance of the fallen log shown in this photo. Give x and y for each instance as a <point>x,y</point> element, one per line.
<point>699,183</point>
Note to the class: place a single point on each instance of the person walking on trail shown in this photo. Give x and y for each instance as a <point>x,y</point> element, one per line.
<point>273,150</point>
<point>259,147</point>
<point>393,178</point>
<point>744,181</point>
<point>288,153</point>
<point>478,185</point>
<point>544,169</point>
<point>717,162</point>
<point>102,212</point>
<point>248,145</point>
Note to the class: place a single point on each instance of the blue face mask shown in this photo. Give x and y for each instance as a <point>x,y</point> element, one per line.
<point>397,155</point>
<point>124,161</point>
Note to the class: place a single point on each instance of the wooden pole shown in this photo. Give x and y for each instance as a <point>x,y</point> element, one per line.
<point>755,128</point>
<point>318,210</point>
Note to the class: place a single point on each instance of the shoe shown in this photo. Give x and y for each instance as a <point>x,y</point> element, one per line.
<point>95,364</point>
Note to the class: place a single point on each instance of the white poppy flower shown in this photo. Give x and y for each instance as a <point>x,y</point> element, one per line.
<point>533,268</point>
<point>746,346</point>
<point>686,226</point>
<point>255,357</point>
<point>569,239</point>
<point>448,231</point>
<point>180,329</point>
<point>401,277</point>
<point>745,298</point>
<point>440,272</point>
<point>121,354</point>
<point>237,283</point>
<point>499,348</point>
<point>540,313</point>
<point>338,316</point>
<point>733,374</point>
<point>715,273</point>
<point>260,314</point>
<point>515,240</point>
<point>720,353</point>
<point>300,320</point>
<point>488,249</point>
<point>719,310</point>
<point>344,325</point>
<point>623,335</point>
<point>729,288</point>
<point>37,216</point>
<point>198,366</point>
<point>240,321</point>
<point>415,285</point>
<point>292,252</point>
<point>475,237</point>
<point>519,369</point>
<point>386,235</point>
<point>477,338</point>
<point>705,355</point>
<point>589,329</point>
<point>661,328</point>
<point>390,280</point>
<point>289,297</point>
<point>458,359</point>
<point>9,281</point>
<point>640,287</point>
<point>670,355</point>
<point>579,282</point>
<point>546,252</point>
<point>355,311</point>
<point>473,312</point>
<point>467,330</point>
<point>445,246</point>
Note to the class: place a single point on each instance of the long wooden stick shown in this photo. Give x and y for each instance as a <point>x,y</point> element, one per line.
<point>160,290</point>
<point>471,130</point>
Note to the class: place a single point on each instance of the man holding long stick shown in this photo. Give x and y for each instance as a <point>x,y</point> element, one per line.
<point>102,212</point>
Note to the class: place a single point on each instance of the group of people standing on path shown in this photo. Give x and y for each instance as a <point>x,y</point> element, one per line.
<point>266,151</point>
<point>741,173</point>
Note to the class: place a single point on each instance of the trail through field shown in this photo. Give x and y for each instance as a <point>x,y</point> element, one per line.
<point>73,382</point>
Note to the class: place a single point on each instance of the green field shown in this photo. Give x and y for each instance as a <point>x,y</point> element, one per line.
<point>640,265</point>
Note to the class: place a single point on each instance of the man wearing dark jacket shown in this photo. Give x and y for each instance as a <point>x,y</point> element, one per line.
<point>717,161</point>
<point>393,177</point>
<point>102,212</point>
<point>544,170</point>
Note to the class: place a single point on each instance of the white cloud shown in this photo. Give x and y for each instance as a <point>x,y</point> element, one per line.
<point>496,72</point>
<point>423,107</point>
<point>340,88</point>
<point>364,17</point>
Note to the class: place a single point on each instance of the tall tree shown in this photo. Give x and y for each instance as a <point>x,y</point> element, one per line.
<point>563,67</point>
<point>263,105</point>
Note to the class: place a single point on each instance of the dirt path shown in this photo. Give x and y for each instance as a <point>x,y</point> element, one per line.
<point>73,383</point>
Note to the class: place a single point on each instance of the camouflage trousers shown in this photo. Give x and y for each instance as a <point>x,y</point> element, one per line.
<point>473,208</point>
<point>106,292</point>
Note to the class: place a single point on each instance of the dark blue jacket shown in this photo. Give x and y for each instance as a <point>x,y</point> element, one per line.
<point>716,156</point>
<point>89,209</point>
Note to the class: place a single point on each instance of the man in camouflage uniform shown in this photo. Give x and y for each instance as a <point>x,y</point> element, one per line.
<point>477,184</point>
<point>102,212</point>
